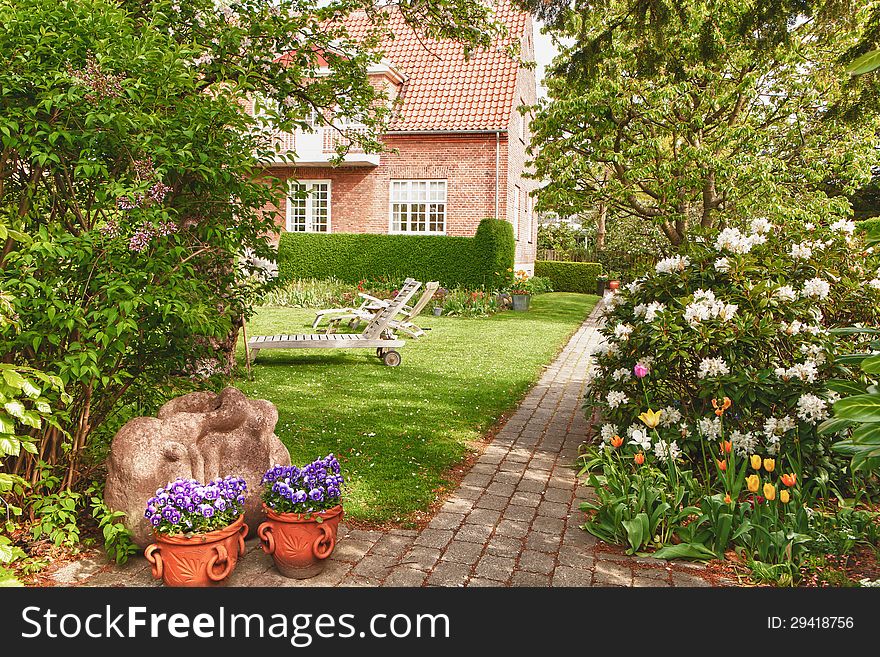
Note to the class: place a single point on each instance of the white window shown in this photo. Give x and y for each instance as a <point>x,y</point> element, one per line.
<point>418,206</point>
<point>516,195</point>
<point>308,207</point>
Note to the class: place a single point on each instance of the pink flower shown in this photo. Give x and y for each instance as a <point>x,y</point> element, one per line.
<point>640,370</point>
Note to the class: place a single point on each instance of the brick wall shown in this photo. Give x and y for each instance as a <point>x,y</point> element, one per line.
<point>360,194</point>
<point>516,164</point>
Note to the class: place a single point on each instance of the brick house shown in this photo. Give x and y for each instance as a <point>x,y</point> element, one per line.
<point>458,145</point>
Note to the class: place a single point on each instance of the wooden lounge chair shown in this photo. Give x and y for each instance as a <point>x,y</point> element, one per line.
<point>377,335</point>
<point>406,324</point>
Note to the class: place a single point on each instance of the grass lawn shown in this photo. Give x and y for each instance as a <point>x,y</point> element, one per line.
<point>398,430</point>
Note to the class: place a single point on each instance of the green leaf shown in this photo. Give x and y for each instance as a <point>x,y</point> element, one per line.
<point>861,408</point>
<point>14,379</point>
<point>867,435</point>
<point>8,579</point>
<point>834,425</point>
<point>865,64</point>
<point>845,387</point>
<point>696,551</point>
<point>871,365</point>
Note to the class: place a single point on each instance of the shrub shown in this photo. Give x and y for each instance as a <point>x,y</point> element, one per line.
<point>744,316</point>
<point>868,225</point>
<point>454,261</point>
<point>310,293</point>
<point>570,276</point>
<point>468,303</point>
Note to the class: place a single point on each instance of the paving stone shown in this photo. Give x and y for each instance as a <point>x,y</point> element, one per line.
<point>355,580</point>
<point>392,545</point>
<point>351,549</point>
<point>495,502</point>
<point>421,557</point>
<point>568,576</point>
<point>462,552</point>
<point>375,566</point>
<point>645,582</point>
<point>507,477</point>
<point>434,538</point>
<point>512,528</point>
<point>480,582</point>
<point>610,574</point>
<point>473,533</point>
<point>549,525</point>
<point>523,513</point>
<point>574,535</point>
<point>77,571</point>
<point>367,535</point>
<point>576,557</point>
<point>469,492</point>
<point>542,542</point>
<point>456,505</point>
<point>553,509</point>
<point>500,489</point>
<point>557,495</point>
<point>475,479</point>
<point>449,573</point>
<point>405,576</point>
<point>504,546</point>
<point>687,579</point>
<point>530,486</point>
<point>487,517</point>
<point>494,567</point>
<point>446,521</point>
<point>537,562</point>
<point>523,578</point>
<point>510,466</point>
<point>526,499</point>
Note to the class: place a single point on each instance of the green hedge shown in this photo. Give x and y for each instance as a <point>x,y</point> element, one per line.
<point>872,224</point>
<point>454,261</point>
<point>570,276</point>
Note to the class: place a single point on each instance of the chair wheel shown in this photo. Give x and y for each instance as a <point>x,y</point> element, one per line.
<point>391,358</point>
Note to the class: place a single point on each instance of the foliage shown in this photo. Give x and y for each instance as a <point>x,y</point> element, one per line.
<point>310,293</point>
<point>569,276</point>
<point>396,449</point>
<point>561,236</point>
<point>454,261</point>
<point>695,116</point>
<point>869,225</point>
<point>128,156</point>
<point>314,488</point>
<point>187,506</point>
<point>746,316</point>
<point>117,538</point>
<point>632,247</point>
<point>459,302</point>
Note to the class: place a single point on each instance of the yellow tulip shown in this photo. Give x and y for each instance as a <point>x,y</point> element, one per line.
<point>784,497</point>
<point>770,491</point>
<point>755,461</point>
<point>651,418</point>
<point>753,481</point>
<point>769,465</point>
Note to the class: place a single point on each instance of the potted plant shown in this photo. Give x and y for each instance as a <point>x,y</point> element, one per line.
<point>521,291</point>
<point>613,280</point>
<point>601,283</point>
<point>199,531</point>
<point>303,509</point>
<point>439,299</point>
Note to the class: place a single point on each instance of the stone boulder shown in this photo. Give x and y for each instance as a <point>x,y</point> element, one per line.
<point>202,436</point>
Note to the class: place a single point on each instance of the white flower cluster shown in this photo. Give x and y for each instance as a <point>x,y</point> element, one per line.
<point>806,371</point>
<point>710,427</point>
<point>743,443</point>
<point>705,306</point>
<point>816,288</point>
<point>616,398</point>
<point>620,374</point>
<point>874,283</point>
<point>608,431</point>
<point>712,367</point>
<point>664,450</point>
<point>761,226</point>
<point>843,226</point>
<point>669,265</point>
<point>722,265</point>
<point>670,416</point>
<point>649,311</point>
<point>733,240</point>
<point>774,428</point>
<point>785,293</point>
<point>811,408</point>
<point>802,251</point>
<point>622,331</point>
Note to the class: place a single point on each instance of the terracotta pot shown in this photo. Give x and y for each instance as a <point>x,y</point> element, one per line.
<point>613,285</point>
<point>298,543</point>
<point>197,560</point>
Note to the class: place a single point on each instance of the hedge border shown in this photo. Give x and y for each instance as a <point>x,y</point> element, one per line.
<point>570,276</point>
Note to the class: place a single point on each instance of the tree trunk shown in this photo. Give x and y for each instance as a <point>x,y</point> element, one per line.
<point>600,226</point>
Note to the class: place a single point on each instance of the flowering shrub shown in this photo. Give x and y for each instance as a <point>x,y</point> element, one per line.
<point>316,487</point>
<point>744,315</point>
<point>186,506</point>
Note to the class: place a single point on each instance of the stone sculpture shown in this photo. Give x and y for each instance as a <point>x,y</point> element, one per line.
<point>202,436</point>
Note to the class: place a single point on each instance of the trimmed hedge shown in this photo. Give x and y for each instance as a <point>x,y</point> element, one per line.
<point>868,224</point>
<point>470,262</point>
<point>570,276</point>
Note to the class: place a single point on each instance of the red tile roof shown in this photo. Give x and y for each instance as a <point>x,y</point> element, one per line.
<point>443,90</point>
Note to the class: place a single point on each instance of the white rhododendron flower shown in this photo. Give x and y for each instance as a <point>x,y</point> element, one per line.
<point>874,283</point>
<point>811,408</point>
<point>816,288</point>
<point>664,450</point>
<point>669,265</point>
<point>670,416</point>
<point>622,331</point>
<point>732,239</point>
<point>806,371</point>
<point>722,264</point>
<point>620,374</point>
<point>785,293</point>
<point>791,329</point>
<point>776,427</point>
<point>710,427</point>
<point>616,398</point>
<point>652,309</point>
<point>801,251</point>
<point>712,367</point>
<point>843,226</point>
<point>761,225</point>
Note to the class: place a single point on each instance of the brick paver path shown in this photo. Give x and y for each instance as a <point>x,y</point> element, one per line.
<point>513,521</point>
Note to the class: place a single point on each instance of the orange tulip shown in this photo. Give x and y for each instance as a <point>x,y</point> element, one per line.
<point>727,499</point>
<point>784,496</point>
<point>789,479</point>
<point>726,446</point>
<point>721,405</point>
<point>770,491</point>
<point>639,458</point>
<point>722,464</point>
<point>769,465</point>
<point>753,481</point>
<point>616,442</point>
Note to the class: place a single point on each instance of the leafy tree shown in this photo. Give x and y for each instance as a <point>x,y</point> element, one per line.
<point>698,113</point>
<point>128,161</point>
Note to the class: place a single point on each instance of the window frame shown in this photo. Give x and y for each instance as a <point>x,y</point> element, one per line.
<point>308,199</point>
<point>427,202</point>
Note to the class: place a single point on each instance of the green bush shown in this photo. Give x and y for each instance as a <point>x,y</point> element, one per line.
<point>454,261</point>
<point>570,276</point>
<point>869,224</point>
